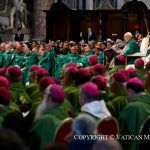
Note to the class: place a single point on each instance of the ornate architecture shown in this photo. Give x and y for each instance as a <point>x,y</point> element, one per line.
<point>33,19</point>
<point>39,18</point>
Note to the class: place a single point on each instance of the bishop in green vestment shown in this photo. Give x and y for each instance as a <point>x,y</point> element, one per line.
<point>136,111</point>
<point>48,116</point>
<point>131,47</point>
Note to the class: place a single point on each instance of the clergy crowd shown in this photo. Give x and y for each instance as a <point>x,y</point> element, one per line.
<point>42,84</point>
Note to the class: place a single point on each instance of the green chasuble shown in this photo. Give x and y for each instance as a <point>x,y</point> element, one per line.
<point>131,48</point>
<point>19,95</point>
<point>112,96</point>
<point>101,58</point>
<point>6,109</point>
<point>68,107</point>
<point>103,95</point>
<point>117,105</point>
<point>36,98</point>
<point>44,128</point>
<point>9,58</point>
<point>72,96</point>
<point>30,60</point>
<point>20,59</point>
<point>116,68</point>
<point>72,57</point>
<point>84,59</point>
<point>148,51</point>
<point>30,89</point>
<point>132,117</point>
<point>44,61</point>
<point>141,72</point>
<point>30,117</point>
<point>2,58</point>
<point>52,59</point>
<point>60,61</point>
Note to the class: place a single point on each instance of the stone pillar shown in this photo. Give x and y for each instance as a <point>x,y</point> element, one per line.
<point>89,4</point>
<point>39,18</point>
<point>80,4</point>
<point>119,4</point>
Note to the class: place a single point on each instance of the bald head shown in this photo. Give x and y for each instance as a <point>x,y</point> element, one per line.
<point>128,36</point>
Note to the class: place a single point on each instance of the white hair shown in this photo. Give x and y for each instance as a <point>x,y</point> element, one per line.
<point>84,124</point>
<point>40,109</point>
<point>129,34</point>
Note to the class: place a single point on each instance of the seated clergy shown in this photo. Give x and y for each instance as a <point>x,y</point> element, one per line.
<point>48,116</point>
<point>83,124</point>
<point>88,99</point>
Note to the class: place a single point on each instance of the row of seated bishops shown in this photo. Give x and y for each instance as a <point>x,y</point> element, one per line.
<point>54,54</point>
<point>88,106</point>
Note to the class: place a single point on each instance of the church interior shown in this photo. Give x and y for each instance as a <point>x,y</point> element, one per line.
<point>74,74</point>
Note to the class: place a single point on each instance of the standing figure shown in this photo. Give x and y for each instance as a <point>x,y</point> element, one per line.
<point>91,35</point>
<point>19,36</point>
<point>131,47</point>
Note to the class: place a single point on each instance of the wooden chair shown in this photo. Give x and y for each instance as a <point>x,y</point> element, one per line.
<point>142,53</point>
<point>63,131</point>
<point>108,126</point>
<point>144,144</point>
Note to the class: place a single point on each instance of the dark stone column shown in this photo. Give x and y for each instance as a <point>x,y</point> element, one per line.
<point>39,18</point>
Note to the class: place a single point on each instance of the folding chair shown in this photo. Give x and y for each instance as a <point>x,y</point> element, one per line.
<point>142,53</point>
<point>108,126</point>
<point>63,131</point>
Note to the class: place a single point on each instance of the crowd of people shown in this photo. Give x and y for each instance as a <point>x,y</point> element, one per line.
<point>43,84</point>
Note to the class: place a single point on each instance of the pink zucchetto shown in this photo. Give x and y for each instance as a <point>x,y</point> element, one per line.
<point>135,80</point>
<point>71,70</point>
<point>56,80</point>
<point>139,62</point>
<point>121,58</point>
<point>93,60</point>
<point>90,89</point>
<point>41,72</point>
<point>100,81</point>
<point>70,64</point>
<point>14,73</point>
<point>57,93</point>
<point>125,72</point>
<point>5,96</point>
<point>84,72</point>
<point>120,77</point>
<point>99,67</point>
<point>33,68</point>
<point>4,82</point>
<point>3,71</point>
<point>45,82</point>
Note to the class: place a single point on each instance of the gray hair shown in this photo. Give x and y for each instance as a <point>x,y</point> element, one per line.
<point>84,124</point>
<point>129,34</point>
<point>107,144</point>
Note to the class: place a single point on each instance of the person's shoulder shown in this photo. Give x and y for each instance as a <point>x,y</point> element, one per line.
<point>133,41</point>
